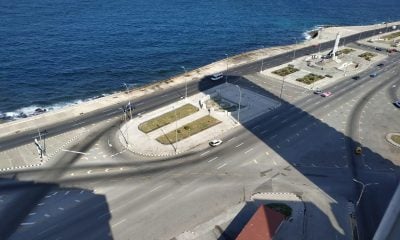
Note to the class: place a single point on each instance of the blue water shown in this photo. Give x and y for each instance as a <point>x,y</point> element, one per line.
<point>57,52</point>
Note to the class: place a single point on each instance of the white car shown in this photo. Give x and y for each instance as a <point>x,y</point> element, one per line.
<point>215,142</point>
<point>217,76</point>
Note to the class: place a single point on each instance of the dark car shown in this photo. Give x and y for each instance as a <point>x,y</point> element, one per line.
<point>380,65</point>
<point>356,77</point>
<point>378,49</point>
<point>373,75</point>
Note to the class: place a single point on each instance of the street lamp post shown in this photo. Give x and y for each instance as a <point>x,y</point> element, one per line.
<point>362,189</point>
<point>262,62</point>
<point>226,73</point>
<point>240,101</point>
<point>184,69</point>
<point>127,89</point>
<point>283,82</point>
<point>294,53</point>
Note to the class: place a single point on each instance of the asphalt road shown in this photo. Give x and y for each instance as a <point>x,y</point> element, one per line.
<point>135,196</point>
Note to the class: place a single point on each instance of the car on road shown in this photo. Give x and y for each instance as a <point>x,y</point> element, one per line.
<point>355,77</point>
<point>215,142</point>
<point>380,65</point>
<point>317,91</point>
<point>397,103</point>
<point>373,75</point>
<point>358,150</point>
<point>326,94</point>
<point>378,49</point>
<point>217,76</point>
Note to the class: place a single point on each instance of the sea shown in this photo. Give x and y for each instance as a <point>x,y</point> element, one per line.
<point>55,53</point>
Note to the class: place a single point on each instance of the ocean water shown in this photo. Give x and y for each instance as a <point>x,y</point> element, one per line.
<point>57,52</point>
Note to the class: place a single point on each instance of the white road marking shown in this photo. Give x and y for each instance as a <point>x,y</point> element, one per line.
<point>154,189</point>
<point>66,150</point>
<point>274,162</point>
<point>223,165</point>
<point>231,139</point>
<point>239,145</point>
<point>264,131</point>
<point>76,124</point>
<point>115,224</point>
<point>27,223</point>
<point>251,149</point>
<point>139,103</point>
<point>169,195</point>
<point>212,159</point>
<point>204,153</point>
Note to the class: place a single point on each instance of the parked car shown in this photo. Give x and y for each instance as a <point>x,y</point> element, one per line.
<point>215,142</point>
<point>317,91</point>
<point>358,150</point>
<point>378,49</point>
<point>397,103</point>
<point>373,75</point>
<point>217,76</point>
<point>326,94</point>
<point>356,77</point>
<point>380,65</point>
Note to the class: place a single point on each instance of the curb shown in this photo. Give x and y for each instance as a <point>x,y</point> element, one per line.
<point>389,139</point>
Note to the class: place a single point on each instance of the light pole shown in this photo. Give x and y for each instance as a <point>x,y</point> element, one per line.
<point>283,82</point>
<point>262,61</point>
<point>184,69</point>
<point>240,101</point>
<point>176,131</point>
<point>294,53</point>
<point>226,73</point>
<point>127,89</point>
<point>362,189</point>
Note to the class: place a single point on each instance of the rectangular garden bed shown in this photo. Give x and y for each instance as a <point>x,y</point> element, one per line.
<point>167,118</point>
<point>310,78</point>
<point>285,71</point>
<point>188,130</point>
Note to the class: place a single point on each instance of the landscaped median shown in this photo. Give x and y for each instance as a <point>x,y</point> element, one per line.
<point>310,78</point>
<point>188,130</point>
<point>367,55</point>
<point>396,138</point>
<point>167,118</point>
<point>285,71</point>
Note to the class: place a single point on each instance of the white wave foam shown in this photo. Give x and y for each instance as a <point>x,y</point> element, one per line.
<point>36,109</point>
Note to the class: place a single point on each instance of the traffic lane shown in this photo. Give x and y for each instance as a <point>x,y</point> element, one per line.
<point>146,103</point>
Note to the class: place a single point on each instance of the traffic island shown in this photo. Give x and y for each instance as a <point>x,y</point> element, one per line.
<point>322,69</point>
<point>189,124</point>
<point>394,139</point>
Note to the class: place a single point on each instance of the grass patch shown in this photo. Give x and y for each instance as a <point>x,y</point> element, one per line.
<point>310,78</point>
<point>285,71</point>
<point>281,208</point>
<point>345,51</point>
<point>188,130</point>
<point>167,118</point>
<point>367,55</point>
<point>396,138</point>
<point>391,36</point>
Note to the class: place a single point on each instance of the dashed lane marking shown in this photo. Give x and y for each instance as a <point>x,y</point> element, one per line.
<point>212,159</point>
<point>223,165</point>
<point>239,145</point>
<point>251,149</point>
<point>116,224</point>
<point>204,153</point>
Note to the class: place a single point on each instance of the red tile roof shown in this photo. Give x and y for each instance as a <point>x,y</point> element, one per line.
<point>262,225</point>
